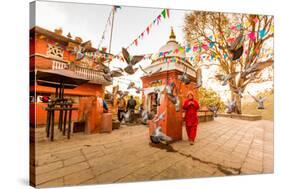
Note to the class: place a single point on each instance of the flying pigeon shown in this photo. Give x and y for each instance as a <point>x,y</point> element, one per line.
<point>175,100</point>
<point>236,48</point>
<point>159,117</point>
<point>170,88</point>
<point>132,85</point>
<point>122,94</point>
<point>109,75</point>
<point>131,61</point>
<point>259,100</point>
<point>79,51</point>
<point>239,91</point>
<point>225,78</point>
<point>214,109</point>
<point>158,92</point>
<point>146,116</point>
<point>252,68</point>
<point>150,72</point>
<point>157,136</point>
<point>230,106</point>
<point>184,78</point>
<point>199,78</point>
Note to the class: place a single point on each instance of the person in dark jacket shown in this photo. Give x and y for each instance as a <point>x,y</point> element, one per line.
<point>131,104</point>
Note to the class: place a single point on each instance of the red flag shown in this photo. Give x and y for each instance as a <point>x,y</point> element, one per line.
<point>147,30</point>
<point>136,42</point>
<point>168,13</point>
<point>158,19</point>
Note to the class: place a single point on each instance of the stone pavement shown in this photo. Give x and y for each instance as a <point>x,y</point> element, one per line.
<point>224,147</point>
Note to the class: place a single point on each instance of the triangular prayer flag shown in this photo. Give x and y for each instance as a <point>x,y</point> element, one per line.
<point>147,30</point>
<point>168,12</point>
<point>195,48</point>
<point>205,47</point>
<point>163,13</point>
<point>262,33</point>
<point>211,44</point>
<point>158,18</point>
<point>252,35</point>
<point>255,19</point>
<point>136,42</point>
<point>187,49</point>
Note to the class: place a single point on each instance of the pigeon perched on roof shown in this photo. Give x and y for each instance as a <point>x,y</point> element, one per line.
<point>150,72</point>
<point>131,61</point>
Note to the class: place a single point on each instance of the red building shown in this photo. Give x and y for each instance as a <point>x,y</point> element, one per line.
<point>53,50</point>
<point>172,65</point>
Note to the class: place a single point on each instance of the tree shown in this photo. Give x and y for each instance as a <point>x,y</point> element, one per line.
<point>208,97</point>
<point>219,31</point>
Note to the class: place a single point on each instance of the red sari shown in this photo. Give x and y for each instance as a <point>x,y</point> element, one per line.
<point>191,120</point>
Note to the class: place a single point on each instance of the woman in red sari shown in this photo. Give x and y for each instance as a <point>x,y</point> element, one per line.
<point>191,120</point>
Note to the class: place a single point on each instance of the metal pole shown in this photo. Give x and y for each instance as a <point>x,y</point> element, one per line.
<point>113,11</point>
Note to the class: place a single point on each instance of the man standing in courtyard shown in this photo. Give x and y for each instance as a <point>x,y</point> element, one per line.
<point>191,120</point>
<point>121,107</point>
<point>131,104</point>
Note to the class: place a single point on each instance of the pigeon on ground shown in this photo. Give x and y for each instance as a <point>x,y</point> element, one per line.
<point>260,100</point>
<point>157,136</point>
<point>131,61</point>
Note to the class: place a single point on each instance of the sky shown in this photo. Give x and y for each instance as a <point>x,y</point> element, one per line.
<point>88,22</point>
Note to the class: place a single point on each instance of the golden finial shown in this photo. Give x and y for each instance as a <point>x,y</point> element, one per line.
<point>172,35</point>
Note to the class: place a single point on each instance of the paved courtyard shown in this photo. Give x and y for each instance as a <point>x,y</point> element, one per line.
<point>224,147</point>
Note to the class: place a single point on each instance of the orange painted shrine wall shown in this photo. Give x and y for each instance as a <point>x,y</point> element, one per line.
<point>40,60</point>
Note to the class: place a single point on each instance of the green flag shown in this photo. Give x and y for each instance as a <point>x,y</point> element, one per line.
<point>164,13</point>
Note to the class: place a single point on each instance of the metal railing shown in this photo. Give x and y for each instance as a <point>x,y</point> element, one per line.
<point>93,75</point>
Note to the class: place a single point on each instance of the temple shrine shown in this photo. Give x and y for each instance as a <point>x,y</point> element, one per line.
<point>172,65</point>
<point>51,50</point>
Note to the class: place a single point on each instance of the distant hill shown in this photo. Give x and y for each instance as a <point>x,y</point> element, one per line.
<point>250,107</point>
